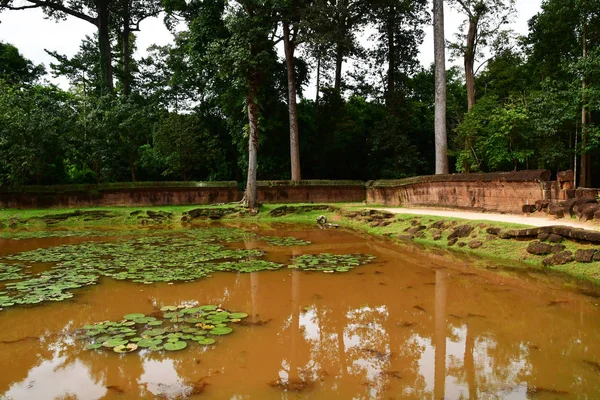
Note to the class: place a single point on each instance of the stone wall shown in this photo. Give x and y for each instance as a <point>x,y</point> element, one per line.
<point>143,194</point>
<point>494,192</point>
<point>311,192</point>
<point>178,193</point>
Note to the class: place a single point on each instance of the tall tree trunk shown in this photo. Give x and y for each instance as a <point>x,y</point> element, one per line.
<point>339,59</point>
<point>290,47</point>
<point>441,140</point>
<point>318,80</point>
<point>106,71</point>
<point>391,81</point>
<point>584,178</point>
<point>470,62</point>
<point>251,195</point>
<point>126,57</point>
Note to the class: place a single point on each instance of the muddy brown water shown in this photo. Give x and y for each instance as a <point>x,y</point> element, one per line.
<point>415,324</point>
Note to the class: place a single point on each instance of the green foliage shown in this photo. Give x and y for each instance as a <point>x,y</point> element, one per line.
<point>33,122</point>
<point>185,117</point>
<point>329,263</point>
<point>180,325</point>
<point>189,147</point>
<point>499,134</point>
<point>14,68</point>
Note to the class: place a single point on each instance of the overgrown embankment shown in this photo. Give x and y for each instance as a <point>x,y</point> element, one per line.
<point>572,251</point>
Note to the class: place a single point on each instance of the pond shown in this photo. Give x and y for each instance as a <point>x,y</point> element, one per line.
<point>358,318</point>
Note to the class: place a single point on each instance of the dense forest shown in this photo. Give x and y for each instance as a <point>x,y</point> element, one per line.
<point>236,78</point>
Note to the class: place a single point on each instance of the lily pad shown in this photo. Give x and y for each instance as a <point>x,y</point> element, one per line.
<point>220,331</point>
<point>154,332</point>
<point>144,343</point>
<point>133,316</point>
<point>115,342</point>
<point>175,346</point>
<point>285,241</point>
<point>123,337</point>
<point>326,262</point>
<point>125,348</point>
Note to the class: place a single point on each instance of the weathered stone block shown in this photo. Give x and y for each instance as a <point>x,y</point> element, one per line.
<point>475,244</point>
<point>542,205</point>
<point>543,236</point>
<point>539,249</point>
<point>528,208</point>
<point>461,232</point>
<point>554,238</point>
<point>562,258</point>
<point>585,256</point>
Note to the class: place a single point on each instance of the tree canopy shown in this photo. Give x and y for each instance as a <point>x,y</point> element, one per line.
<point>233,97</point>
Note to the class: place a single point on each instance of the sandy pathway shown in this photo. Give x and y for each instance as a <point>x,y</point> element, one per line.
<point>534,220</point>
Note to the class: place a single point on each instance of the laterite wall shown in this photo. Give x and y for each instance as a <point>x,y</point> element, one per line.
<point>311,192</point>
<point>499,192</point>
<point>109,195</point>
<point>496,192</point>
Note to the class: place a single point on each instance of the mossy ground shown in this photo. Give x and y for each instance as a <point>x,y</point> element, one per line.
<point>493,248</point>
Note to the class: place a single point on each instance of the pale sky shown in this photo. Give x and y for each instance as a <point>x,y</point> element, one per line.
<point>31,33</point>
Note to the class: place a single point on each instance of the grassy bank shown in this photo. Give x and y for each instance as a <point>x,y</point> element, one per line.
<point>478,242</point>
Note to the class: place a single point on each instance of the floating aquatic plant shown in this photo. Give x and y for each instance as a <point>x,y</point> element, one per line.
<point>327,262</point>
<point>182,325</point>
<point>179,256</point>
<point>284,241</point>
<point>11,272</point>
<point>53,285</point>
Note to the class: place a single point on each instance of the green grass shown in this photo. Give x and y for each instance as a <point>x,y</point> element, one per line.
<point>504,251</point>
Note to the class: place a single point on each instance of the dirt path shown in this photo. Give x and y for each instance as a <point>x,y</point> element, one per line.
<point>537,220</point>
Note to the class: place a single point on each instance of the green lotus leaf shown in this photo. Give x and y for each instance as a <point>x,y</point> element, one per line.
<point>133,316</point>
<point>93,346</point>
<point>238,315</point>
<point>155,348</point>
<point>114,342</point>
<point>145,343</point>
<point>144,320</point>
<point>169,308</point>
<point>125,348</point>
<point>155,323</point>
<point>175,346</point>
<point>206,341</point>
<point>220,331</point>
<point>154,332</point>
